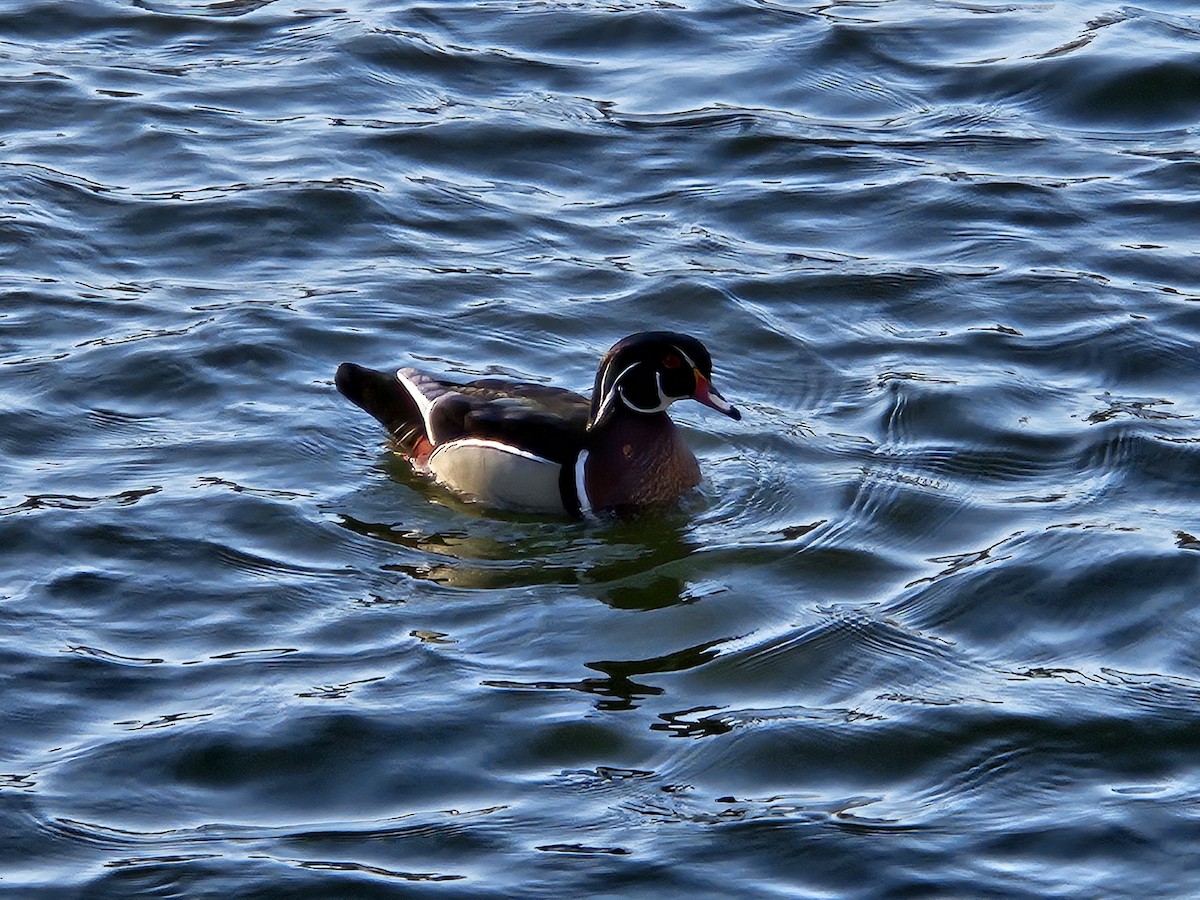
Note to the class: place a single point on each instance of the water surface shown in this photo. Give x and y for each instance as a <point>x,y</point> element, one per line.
<point>928,628</point>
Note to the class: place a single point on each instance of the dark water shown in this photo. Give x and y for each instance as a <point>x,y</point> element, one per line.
<point>930,627</point>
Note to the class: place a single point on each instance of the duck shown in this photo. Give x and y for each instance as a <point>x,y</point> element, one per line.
<point>537,448</point>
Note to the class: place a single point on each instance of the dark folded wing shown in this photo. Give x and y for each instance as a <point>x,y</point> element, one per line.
<point>546,421</point>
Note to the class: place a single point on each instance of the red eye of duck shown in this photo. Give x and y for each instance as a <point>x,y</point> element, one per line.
<point>672,361</point>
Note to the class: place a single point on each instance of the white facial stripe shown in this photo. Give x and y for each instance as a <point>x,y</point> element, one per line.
<point>629,368</point>
<point>687,359</point>
<point>663,400</point>
<point>611,397</point>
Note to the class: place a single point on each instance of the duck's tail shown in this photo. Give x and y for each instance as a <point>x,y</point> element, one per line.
<point>384,397</point>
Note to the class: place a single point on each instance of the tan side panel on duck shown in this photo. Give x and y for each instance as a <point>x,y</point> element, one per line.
<point>498,475</point>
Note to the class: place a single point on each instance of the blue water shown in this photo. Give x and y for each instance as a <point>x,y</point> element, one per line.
<point>929,627</point>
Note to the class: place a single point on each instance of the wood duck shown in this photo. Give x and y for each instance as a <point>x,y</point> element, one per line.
<point>538,448</point>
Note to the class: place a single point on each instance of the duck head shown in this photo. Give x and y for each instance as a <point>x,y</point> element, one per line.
<point>646,372</point>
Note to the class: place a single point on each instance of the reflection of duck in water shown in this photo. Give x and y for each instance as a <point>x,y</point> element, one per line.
<point>528,446</point>
<point>626,566</point>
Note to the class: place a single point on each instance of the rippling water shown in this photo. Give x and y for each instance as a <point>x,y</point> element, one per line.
<point>929,627</point>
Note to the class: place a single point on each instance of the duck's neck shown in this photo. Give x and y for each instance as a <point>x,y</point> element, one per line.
<point>635,459</point>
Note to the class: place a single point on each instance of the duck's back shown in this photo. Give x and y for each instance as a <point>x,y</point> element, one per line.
<point>546,421</point>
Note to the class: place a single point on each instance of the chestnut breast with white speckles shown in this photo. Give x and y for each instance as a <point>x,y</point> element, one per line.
<point>639,460</point>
